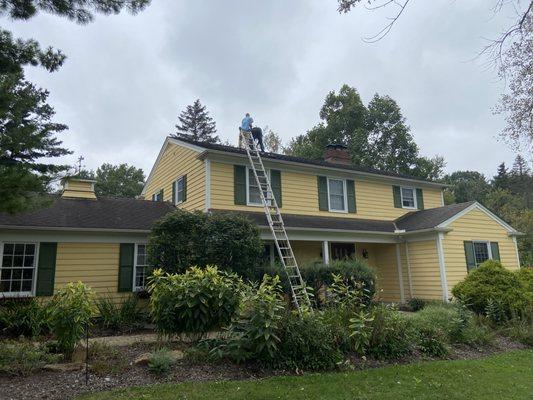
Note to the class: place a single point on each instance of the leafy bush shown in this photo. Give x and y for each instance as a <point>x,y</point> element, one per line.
<point>392,334</point>
<point>448,318</point>
<point>24,317</point>
<point>520,330</point>
<point>361,331</point>
<point>120,317</point>
<point>72,308</point>
<point>194,302</point>
<point>416,304</point>
<point>492,281</point>
<point>253,333</point>
<point>105,359</point>
<point>306,343</point>
<point>160,362</point>
<point>432,340</point>
<point>23,357</point>
<point>182,239</point>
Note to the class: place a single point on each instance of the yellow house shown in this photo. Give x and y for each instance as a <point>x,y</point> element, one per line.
<point>418,246</point>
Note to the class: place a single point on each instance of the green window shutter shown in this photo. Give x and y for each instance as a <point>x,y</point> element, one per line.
<point>275,183</point>
<point>495,250</point>
<point>162,194</point>
<point>322,182</point>
<point>469,254</point>
<point>125,267</point>
<point>184,187</point>
<point>46,269</point>
<point>420,199</point>
<point>397,197</point>
<point>239,184</point>
<point>174,192</point>
<point>350,194</point>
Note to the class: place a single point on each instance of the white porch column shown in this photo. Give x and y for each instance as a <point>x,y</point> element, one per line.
<point>400,274</point>
<point>325,251</point>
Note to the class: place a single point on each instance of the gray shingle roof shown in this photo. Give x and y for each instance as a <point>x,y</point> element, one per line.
<point>430,218</point>
<point>320,163</point>
<point>314,222</point>
<point>104,213</point>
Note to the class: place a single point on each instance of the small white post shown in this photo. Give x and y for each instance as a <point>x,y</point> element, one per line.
<point>325,251</point>
<point>400,273</point>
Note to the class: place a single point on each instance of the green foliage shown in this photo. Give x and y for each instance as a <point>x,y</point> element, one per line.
<point>351,295</point>
<point>160,362</point>
<point>492,281</point>
<point>105,359</point>
<point>124,316</point>
<point>253,333</point>
<point>306,344</point>
<point>361,331</point>
<point>432,340</point>
<point>196,124</point>
<point>416,304</point>
<point>520,330</point>
<point>377,136</point>
<point>116,180</point>
<point>72,308</point>
<point>392,334</point>
<point>24,317</point>
<point>195,302</point>
<point>449,319</point>
<point>182,239</point>
<point>23,357</point>
<point>467,186</point>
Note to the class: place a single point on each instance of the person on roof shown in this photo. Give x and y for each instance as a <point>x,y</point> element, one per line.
<point>246,124</point>
<point>257,134</point>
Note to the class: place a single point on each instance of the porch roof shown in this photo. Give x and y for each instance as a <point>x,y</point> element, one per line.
<point>431,218</point>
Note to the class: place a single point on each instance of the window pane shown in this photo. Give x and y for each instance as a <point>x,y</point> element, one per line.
<point>17,269</point>
<point>408,199</point>
<point>28,261</point>
<point>336,187</point>
<point>30,249</point>
<point>19,248</point>
<point>254,196</point>
<point>18,261</point>
<point>481,252</point>
<point>336,194</point>
<point>336,203</point>
<point>8,248</point>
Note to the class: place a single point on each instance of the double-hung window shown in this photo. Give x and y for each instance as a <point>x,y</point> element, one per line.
<point>408,197</point>
<point>17,268</point>
<point>254,196</point>
<point>179,187</point>
<point>158,196</point>
<point>337,195</point>
<point>482,252</point>
<point>141,267</point>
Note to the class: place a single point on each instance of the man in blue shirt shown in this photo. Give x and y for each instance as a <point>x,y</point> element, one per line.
<point>246,124</point>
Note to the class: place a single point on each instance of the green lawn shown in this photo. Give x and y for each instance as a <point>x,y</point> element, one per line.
<point>504,376</point>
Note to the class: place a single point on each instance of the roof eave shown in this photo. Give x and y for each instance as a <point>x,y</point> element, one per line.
<point>73,229</point>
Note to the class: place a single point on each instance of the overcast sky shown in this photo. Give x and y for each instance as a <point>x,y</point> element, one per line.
<point>127,77</point>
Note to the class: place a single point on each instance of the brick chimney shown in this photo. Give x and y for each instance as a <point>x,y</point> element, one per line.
<point>78,188</point>
<point>337,154</point>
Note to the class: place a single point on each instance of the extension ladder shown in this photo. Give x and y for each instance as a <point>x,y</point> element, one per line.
<point>275,221</point>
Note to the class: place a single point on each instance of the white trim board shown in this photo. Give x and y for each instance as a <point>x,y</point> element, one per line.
<point>442,267</point>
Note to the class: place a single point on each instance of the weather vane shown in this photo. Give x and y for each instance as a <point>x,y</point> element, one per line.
<point>80,166</point>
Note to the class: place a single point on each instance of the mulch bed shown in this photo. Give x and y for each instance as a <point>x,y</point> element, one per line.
<point>66,385</point>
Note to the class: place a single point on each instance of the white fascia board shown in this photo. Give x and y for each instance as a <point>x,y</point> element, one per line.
<point>229,158</point>
<point>332,235</point>
<point>168,141</point>
<point>482,208</point>
<point>72,237</point>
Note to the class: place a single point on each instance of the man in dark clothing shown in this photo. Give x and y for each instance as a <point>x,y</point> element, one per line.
<point>257,134</point>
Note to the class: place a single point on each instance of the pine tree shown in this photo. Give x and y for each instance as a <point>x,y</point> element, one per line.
<point>196,124</point>
<point>501,180</point>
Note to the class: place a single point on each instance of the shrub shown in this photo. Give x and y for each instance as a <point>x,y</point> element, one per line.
<point>23,357</point>
<point>194,302</point>
<point>24,317</point>
<point>253,332</point>
<point>160,362</point>
<point>361,331</point>
<point>72,308</point>
<point>432,340</point>
<point>105,359</point>
<point>182,239</point>
<point>392,334</point>
<point>306,343</point>
<point>520,330</point>
<point>449,319</point>
<point>120,317</point>
<point>416,304</point>
<point>492,281</point>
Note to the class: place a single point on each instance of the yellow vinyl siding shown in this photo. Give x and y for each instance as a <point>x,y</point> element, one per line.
<point>300,195</point>
<point>385,264</point>
<point>425,270</point>
<point>475,225</point>
<point>95,264</point>
<point>307,251</point>
<point>177,161</point>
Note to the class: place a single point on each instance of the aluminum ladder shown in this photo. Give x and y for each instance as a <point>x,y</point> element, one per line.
<point>275,221</point>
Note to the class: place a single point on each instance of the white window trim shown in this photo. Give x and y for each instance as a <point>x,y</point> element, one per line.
<point>36,267</point>
<point>176,190</point>
<point>345,211</point>
<point>489,249</point>
<point>248,202</point>
<point>414,197</point>
<point>154,196</point>
<point>136,288</point>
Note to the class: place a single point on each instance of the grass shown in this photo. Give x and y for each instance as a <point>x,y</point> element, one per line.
<point>503,376</point>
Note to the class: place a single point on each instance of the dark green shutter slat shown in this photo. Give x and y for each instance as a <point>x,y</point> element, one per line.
<point>469,254</point>
<point>184,187</point>
<point>420,199</point>
<point>495,250</point>
<point>46,269</point>
<point>125,269</point>
<point>174,185</point>
<point>397,196</point>
<point>322,183</point>
<point>350,194</point>
<point>162,194</point>
<point>275,183</point>
<point>239,184</point>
